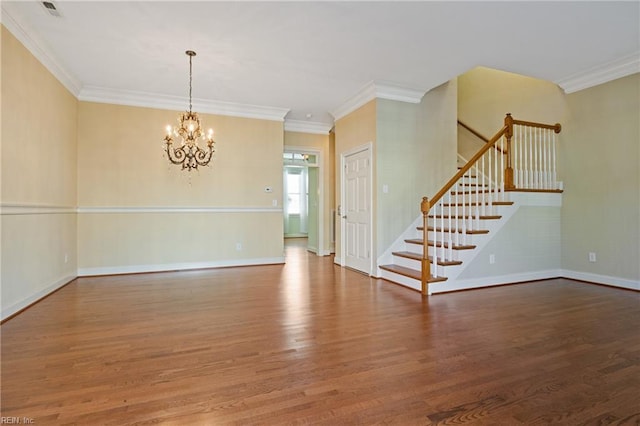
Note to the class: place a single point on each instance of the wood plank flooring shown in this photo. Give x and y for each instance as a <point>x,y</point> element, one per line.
<point>311,343</point>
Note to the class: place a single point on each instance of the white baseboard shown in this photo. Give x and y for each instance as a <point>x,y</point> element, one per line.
<point>17,307</point>
<point>601,279</point>
<point>467,284</point>
<point>337,260</point>
<point>133,269</point>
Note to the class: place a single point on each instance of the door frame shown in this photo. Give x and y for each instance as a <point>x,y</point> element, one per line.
<point>318,153</point>
<point>368,147</point>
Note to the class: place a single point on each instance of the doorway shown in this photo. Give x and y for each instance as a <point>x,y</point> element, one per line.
<point>302,197</point>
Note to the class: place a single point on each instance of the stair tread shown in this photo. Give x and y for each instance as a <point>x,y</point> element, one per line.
<point>473,184</point>
<point>429,242</point>
<point>473,191</point>
<point>495,203</point>
<point>418,256</point>
<point>481,217</point>
<point>468,231</point>
<point>409,272</point>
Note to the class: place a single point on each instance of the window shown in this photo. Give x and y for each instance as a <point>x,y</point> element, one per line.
<point>293,191</point>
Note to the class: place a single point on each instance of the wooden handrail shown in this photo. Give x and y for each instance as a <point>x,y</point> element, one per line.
<point>473,131</point>
<point>467,166</point>
<point>479,135</point>
<point>555,127</point>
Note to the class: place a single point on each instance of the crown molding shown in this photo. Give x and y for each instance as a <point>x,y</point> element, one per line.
<point>179,103</point>
<point>307,127</point>
<point>600,74</point>
<point>378,90</point>
<point>365,95</point>
<point>398,93</point>
<point>39,49</point>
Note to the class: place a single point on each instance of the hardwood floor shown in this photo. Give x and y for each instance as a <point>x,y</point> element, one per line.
<point>312,343</point>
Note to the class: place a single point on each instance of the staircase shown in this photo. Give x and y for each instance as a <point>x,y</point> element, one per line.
<point>465,214</point>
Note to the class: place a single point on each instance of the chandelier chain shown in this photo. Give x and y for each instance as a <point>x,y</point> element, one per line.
<point>190,79</point>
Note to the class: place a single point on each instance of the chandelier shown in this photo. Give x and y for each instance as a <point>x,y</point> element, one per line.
<point>189,130</point>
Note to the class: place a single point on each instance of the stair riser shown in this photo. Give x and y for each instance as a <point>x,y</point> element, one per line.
<point>468,210</point>
<point>417,248</point>
<point>472,198</point>
<point>457,225</point>
<point>453,237</point>
<point>416,264</point>
<point>401,279</point>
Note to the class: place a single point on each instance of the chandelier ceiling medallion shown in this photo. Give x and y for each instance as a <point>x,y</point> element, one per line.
<point>189,154</point>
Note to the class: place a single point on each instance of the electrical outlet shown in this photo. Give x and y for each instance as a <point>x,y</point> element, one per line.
<point>66,258</point>
<point>274,203</point>
<point>492,259</point>
<point>592,257</point>
<point>238,246</point>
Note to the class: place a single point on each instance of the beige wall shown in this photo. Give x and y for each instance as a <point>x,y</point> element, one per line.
<point>322,144</point>
<point>355,129</point>
<point>600,161</point>
<point>126,185</point>
<point>121,161</point>
<point>38,189</point>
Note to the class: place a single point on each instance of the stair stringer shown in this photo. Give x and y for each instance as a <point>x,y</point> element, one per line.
<point>399,244</point>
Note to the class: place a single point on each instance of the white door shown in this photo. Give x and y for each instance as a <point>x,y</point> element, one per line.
<point>357,210</point>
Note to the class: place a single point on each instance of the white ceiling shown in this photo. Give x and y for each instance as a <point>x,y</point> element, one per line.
<point>300,58</point>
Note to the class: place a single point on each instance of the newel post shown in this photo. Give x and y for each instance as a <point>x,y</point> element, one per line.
<point>425,206</point>
<point>508,173</point>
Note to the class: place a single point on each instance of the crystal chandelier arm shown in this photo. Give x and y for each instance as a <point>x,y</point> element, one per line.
<point>176,155</point>
<point>203,157</point>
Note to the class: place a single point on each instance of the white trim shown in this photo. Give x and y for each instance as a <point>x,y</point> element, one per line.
<point>601,279</point>
<point>393,92</point>
<point>179,103</point>
<point>364,95</point>
<point>179,209</point>
<point>24,209</point>
<point>39,49</point>
<point>307,127</point>
<point>167,267</point>
<point>544,199</point>
<point>603,73</point>
<point>374,90</point>
<point>445,286</point>
<point>17,307</point>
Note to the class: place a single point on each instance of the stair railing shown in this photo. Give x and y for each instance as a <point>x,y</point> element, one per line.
<point>474,191</point>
